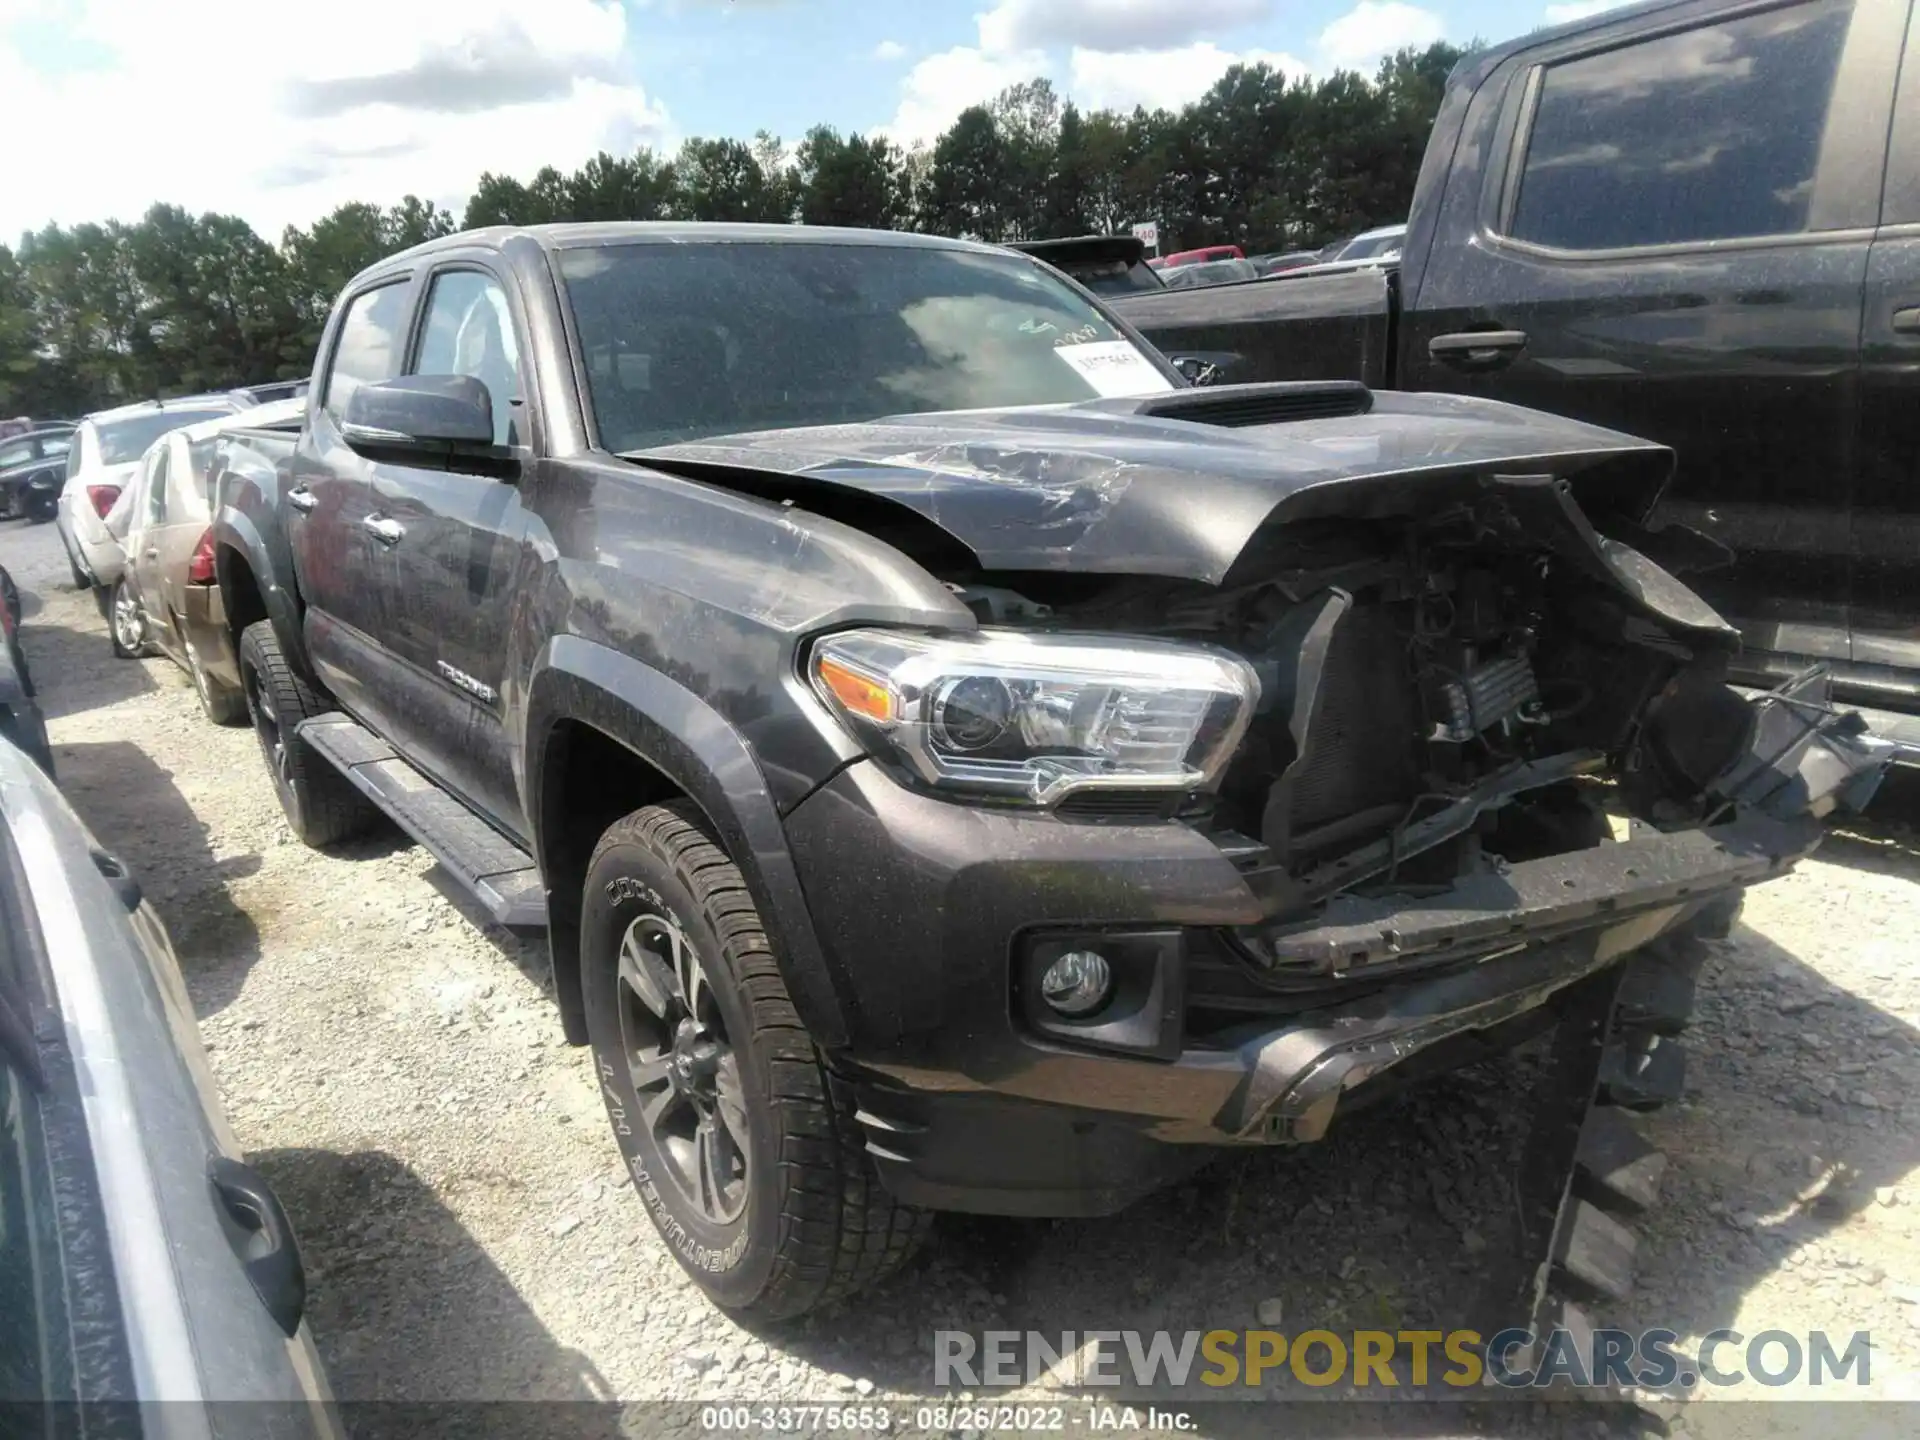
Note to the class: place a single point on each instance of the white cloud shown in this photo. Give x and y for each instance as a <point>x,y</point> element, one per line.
<point>205,106</point>
<point>889,50</point>
<point>1110,25</point>
<point>1161,79</point>
<point>939,87</point>
<point>1580,10</point>
<point>1374,29</point>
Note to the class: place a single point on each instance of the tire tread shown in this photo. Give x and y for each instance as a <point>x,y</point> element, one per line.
<point>840,1230</point>
<point>331,808</point>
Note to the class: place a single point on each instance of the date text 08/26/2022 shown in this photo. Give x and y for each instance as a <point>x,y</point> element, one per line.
<point>940,1419</point>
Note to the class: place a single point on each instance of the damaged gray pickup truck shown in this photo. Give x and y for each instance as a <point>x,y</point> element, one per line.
<point>957,764</point>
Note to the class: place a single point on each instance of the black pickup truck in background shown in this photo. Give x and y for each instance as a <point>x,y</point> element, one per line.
<point>1693,220</point>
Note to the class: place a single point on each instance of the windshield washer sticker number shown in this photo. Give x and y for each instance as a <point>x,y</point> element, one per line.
<point>1115,368</point>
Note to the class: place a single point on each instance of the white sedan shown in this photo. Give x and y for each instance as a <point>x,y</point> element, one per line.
<point>106,452</point>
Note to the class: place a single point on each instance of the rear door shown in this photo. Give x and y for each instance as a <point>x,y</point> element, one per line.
<point>451,545</point>
<point>145,533</point>
<point>329,501</point>
<point>1670,237</point>
<point>174,539</point>
<point>1886,513</point>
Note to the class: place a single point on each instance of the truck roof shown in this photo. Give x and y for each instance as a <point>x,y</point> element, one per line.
<point>570,235</point>
<point>1477,58</point>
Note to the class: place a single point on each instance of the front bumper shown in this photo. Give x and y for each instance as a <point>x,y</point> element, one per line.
<point>933,918</point>
<point>968,1105</point>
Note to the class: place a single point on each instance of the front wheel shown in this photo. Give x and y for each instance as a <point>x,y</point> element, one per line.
<point>319,802</point>
<point>743,1146</point>
<point>127,623</point>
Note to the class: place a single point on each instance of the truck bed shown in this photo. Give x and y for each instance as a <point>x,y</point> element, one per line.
<point>1308,327</point>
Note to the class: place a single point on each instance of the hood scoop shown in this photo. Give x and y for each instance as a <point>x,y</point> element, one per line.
<point>1237,406</point>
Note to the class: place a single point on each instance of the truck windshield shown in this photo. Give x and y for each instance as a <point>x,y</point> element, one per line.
<point>686,341</point>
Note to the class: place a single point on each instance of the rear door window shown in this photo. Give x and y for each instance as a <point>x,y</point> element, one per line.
<point>1706,134</point>
<point>368,350</point>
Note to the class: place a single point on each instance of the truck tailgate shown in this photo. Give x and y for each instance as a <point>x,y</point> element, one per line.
<point>1309,327</point>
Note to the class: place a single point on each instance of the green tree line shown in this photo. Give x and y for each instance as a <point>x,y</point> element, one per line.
<point>175,303</point>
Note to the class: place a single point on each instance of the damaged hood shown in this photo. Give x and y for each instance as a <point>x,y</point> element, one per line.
<point>1177,484</point>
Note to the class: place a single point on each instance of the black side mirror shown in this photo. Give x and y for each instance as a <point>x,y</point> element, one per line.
<point>420,414</point>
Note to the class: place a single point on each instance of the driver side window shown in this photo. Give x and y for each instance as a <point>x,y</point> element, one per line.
<point>469,331</point>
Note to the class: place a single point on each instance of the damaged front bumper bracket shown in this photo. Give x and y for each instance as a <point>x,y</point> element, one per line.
<point>1518,938</point>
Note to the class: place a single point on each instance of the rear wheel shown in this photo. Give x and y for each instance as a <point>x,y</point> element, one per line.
<point>319,802</point>
<point>127,623</point>
<point>744,1147</point>
<point>81,580</point>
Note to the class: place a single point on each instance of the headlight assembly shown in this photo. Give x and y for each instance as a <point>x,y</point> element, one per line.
<point>1035,717</point>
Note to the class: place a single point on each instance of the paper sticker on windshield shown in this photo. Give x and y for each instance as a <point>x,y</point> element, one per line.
<point>1114,368</point>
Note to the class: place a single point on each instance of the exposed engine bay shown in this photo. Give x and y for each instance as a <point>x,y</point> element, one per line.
<point>1441,696</point>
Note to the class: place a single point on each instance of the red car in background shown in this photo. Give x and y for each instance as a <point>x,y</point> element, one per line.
<point>1196,257</point>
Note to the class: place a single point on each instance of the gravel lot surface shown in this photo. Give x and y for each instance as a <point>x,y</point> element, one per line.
<point>395,1066</point>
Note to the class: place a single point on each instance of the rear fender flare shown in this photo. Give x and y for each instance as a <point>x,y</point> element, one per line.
<point>234,533</point>
<point>693,746</point>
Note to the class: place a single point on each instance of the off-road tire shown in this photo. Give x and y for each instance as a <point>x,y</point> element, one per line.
<point>817,1224</point>
<point>223,704</point>
<point>319,802</point>
<point>126,622</point>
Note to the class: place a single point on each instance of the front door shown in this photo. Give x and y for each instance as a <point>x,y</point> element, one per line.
<point>328,503</point>
<point>1886,530</point>
<point>449,553</point>
<point>1672,235</point>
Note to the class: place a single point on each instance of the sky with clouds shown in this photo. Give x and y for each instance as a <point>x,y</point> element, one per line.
<point>277,111</point>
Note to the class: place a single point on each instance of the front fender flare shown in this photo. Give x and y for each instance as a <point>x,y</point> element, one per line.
<point>694,747</point>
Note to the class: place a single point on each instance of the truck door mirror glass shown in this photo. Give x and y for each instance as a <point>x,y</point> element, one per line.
<point>420,414</point>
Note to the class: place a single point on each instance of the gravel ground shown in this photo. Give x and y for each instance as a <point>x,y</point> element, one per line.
<point>395,1066</point>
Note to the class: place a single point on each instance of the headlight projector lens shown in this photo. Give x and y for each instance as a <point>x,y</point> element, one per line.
<point>1078,983</point>
<point>973,713</point>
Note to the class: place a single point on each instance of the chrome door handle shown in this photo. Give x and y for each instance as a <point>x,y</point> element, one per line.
<point>387,532</point>
<point>302,499</point>
<point>153,554</point>
<point>1906,321</point>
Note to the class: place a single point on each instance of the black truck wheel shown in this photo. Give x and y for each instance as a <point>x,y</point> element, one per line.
<point>742,1145</point>
<point>320,803</point>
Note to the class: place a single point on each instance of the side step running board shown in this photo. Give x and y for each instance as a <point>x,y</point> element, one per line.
<point>500,875</point>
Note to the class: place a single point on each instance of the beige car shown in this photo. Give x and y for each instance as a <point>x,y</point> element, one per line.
<point>168,596</point>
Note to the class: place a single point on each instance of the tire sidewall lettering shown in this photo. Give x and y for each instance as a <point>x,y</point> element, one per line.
<point>621,899</point>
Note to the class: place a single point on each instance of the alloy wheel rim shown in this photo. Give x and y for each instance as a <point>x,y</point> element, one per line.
<point>126,619</point>
<point>683,1067</point>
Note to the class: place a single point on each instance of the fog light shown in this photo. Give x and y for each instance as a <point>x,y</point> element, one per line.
<point>1078,983</point>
